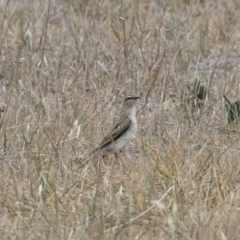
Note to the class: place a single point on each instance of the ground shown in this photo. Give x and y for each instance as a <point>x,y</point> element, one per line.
<point>65,68</point>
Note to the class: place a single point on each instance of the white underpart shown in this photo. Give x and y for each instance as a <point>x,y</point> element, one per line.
<point>121,142</point>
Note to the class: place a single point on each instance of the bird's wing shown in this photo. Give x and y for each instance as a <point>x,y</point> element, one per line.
<point>118,130</point>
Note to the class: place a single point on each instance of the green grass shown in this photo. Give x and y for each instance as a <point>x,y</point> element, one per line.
<point>65,68</point>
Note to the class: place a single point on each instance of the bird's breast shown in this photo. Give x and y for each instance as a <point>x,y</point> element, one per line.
<point>127,137</point>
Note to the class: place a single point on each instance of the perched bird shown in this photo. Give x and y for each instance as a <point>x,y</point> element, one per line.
<point>122,132</point>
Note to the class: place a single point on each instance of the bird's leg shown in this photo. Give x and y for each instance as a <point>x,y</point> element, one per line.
<point>116,154</point>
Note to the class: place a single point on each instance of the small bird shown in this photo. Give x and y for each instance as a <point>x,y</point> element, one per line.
<point>122,132</point>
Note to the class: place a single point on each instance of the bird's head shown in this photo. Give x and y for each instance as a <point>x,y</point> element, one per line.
<point>130,101</point>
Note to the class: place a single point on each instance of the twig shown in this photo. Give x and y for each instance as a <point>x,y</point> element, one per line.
<point>143,213</point>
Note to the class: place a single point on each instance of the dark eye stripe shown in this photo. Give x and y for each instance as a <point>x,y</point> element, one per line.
<point>132,97</point>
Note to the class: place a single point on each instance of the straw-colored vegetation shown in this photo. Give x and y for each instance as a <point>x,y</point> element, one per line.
<point>65,69</point>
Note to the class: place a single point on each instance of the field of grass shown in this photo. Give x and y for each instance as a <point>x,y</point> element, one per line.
<point>66,66</point>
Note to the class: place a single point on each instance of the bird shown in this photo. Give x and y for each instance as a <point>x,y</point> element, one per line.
<point>122,132</point>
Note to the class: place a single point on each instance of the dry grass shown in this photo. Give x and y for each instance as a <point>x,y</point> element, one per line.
<point>65,68</point>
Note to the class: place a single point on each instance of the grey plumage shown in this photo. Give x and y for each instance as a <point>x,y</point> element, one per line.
<point>123,131</point>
